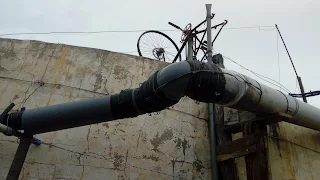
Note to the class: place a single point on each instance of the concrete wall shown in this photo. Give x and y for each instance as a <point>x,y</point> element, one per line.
<point>170,145</point>
<point>293,151</point>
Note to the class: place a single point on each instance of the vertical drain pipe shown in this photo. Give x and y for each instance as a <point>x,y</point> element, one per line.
<point>212,135</point>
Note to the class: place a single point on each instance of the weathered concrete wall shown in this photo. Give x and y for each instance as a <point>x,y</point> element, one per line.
<point>170,145</point>
<point>293,151</point>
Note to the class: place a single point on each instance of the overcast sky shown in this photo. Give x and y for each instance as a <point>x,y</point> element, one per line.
<point>254,48</point>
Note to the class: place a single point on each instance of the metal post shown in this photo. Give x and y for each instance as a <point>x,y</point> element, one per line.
<point>211,108</point>
<point>294,68</point>
<point>190,50</point>
<point>209,37</point>
<point>302,89</point>
<point>19,158</point>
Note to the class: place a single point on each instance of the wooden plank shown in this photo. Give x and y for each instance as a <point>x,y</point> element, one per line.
<point>263,119</point>
<point>257,163</point>
<point>238,145</point>
<point>237,148</point>
<point>236,154</point>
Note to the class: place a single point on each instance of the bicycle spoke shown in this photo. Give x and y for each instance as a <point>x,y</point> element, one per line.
<point>155,40</point>
<point>156,45</point>
<point>151,41</point>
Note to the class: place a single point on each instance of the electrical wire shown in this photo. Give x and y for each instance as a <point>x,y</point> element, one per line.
<point>77,32</point>
<point>120,31</point>
<point>309,94</point>
<point>252,27</point>
<point>53,84</point>
<point>129,52</point>
<point>259,75</point>
<point>278,60</point>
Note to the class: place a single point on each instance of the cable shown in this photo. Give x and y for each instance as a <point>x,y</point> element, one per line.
<point>259,75</point>
<point>309,94</point>
<point>129,52</point>
<point>118,31</point>
<point>285,46</point>
<point>278,59</point>
<point>76,32</point>
<point>54,84</point>
<point>253,27</point>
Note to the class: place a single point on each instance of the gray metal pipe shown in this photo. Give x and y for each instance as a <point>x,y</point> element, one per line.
<point>68,115</point>
<point>211,106</point>
<point>190,49</point>
<point>163,89</point>
<point>209,33</point>
<point>245,93</point>
<point>203,82</point>
<point>5,129</point>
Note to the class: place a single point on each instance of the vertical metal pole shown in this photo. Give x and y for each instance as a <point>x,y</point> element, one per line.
<point>212,135</point>
<point>190,45</point>
<point>209,36</point>
<point>302,89</point>
<point>294,68</point>
<point>211,108</point>
<point>19,158</point>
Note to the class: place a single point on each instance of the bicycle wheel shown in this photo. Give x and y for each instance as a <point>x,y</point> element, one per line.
<point>157,45</point>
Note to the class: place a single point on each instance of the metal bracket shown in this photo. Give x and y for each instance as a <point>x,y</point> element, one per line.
<point>25,142</point>
<point>19,158</point>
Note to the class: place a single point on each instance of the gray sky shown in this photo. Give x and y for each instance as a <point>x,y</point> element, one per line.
<point>255,49</point>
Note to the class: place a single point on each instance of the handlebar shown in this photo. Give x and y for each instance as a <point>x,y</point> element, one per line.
<point>194,29</point>
<point>214,27</point>
<point>176,26</point>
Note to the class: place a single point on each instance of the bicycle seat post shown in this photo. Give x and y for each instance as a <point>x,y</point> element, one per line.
<point>190,46</point>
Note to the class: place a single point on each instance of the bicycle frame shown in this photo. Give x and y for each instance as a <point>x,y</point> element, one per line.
<point>193,34</point>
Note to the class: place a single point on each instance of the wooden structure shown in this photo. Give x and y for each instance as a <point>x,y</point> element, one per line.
<point>252,146</point>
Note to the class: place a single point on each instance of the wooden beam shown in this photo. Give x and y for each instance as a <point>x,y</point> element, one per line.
<point>227,168</point>
<point>237,148</point>
<point>257,163</point>
<point>262,119</point>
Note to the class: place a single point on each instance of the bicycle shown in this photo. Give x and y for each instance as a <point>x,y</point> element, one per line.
<point>162,47</point>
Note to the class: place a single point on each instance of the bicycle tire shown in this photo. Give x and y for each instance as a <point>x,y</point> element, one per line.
<point>162,34</point>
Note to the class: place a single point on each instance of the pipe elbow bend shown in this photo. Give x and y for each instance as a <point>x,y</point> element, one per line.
<point>200,81</point>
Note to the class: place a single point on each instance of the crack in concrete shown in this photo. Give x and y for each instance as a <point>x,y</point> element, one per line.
<point>45,70</point>
<point>182,112</point>
<point>151,170</point>
<point>63,178</point>
<point>130,82</point>
<point>150,157</point>
<point>125,164</point>
<point>88,143</point>
<point>25,95</point>
<point>78,89</point>
<point>82,173</point>
<point>54,172</point>
<point>58,147</point>
<point>11,141</point>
